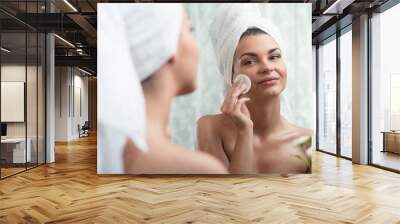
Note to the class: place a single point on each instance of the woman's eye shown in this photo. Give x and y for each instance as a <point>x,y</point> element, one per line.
<point>192,29</point>
<point>275,57</point>
<point>249,62</point>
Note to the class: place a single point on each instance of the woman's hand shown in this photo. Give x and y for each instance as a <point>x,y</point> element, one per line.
<point>235,107</point>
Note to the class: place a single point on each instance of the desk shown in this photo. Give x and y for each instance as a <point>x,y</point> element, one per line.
<point>391,141</point>
<point>15,148</point>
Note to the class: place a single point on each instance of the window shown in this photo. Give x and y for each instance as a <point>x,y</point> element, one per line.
<point>327,96</point>
<point>385,89</point>
<point>346,93</point>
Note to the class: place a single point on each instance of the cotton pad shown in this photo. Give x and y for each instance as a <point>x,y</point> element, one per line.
<point>245,80</point>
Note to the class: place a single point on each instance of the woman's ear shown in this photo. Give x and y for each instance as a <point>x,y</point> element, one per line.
<point>172,59</point>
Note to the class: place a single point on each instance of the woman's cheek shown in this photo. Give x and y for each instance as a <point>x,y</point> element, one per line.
<point>283,83</point>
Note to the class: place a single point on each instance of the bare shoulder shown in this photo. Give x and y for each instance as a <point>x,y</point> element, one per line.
<point>209,121</point>
<point>207,130</point>
<point>302,135</point>
<point>205,123</point>
<point>197,162</point>
<point>170,159</point>
<point>214,122</point>
<point>301,131</point>
<point>211,135</point>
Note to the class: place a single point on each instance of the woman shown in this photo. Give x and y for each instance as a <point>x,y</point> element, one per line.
<point>165,57</point>
<point>251,135</point>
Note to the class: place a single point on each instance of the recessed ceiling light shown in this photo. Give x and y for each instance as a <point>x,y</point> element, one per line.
<point>84,71</point>
<point>64,40</point>
<point>70,5</point>
<point>337,7</point>
<point>5,50</point>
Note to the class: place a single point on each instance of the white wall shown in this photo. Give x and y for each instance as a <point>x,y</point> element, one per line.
<point>10,73</point>
<point>79,117</point>
<point>61,103</point>
<point>69,82</point>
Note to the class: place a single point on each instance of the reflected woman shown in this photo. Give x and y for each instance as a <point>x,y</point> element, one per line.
<point>251,135</point>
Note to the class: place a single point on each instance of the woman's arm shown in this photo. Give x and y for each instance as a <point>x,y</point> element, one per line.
<point>243,161</point>
<point>242,158</point>
<point>169,160</point>
<point>209,141</point>
<point>235,108</point>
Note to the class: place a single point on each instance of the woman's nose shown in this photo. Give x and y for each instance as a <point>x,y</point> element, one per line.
<point>267,66</point>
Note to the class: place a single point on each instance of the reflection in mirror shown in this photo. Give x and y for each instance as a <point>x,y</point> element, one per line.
<point>196,120</point>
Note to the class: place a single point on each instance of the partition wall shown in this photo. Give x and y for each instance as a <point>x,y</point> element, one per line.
<point>23,87</point>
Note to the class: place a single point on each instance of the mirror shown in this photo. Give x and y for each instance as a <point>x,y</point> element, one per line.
<point>298,97</point>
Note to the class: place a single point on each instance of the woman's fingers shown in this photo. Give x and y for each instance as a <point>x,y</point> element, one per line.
<point>241,102</point>
<point>242,113</point>
<point>237,90</point>
<point>229,94</point>
<point>234,106</point>
<point>232,96</point>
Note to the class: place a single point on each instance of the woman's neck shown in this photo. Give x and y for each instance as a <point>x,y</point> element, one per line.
<point>158,93</point>
<point>266,116</point>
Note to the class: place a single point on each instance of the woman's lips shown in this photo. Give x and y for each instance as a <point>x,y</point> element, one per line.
<point>269,82</point>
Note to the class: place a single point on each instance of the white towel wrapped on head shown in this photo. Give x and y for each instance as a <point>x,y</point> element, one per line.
<point>153,32</point>
<point>230,22</point>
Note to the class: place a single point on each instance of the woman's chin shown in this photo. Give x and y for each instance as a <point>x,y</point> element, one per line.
<point>272,91</point>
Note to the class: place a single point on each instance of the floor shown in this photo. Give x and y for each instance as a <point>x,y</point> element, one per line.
<point>388,159</point>
<point>5,172</point>
<point>10,171</point>
<point>70,191</point>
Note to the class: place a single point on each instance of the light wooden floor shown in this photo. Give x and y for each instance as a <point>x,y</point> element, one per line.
<point>5,172</point>
<point>70,191</point>
<point>10,171</point>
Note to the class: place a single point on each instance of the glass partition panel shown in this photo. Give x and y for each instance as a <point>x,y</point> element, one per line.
<point>14,153</point>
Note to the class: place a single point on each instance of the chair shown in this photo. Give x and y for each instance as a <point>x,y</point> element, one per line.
<point>84,130</point>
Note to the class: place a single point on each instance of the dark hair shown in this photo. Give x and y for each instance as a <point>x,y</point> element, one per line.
<point>252,31</point>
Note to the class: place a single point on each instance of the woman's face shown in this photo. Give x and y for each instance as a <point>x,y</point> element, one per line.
<point>187,58</point>
<point>260,58</point>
